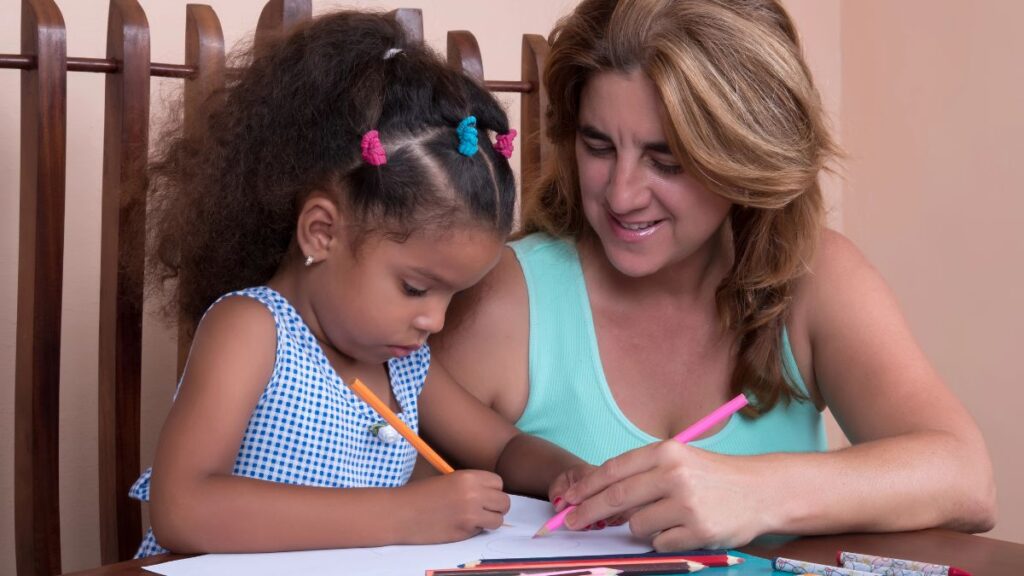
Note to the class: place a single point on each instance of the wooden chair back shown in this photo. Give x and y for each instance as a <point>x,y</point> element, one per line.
<point>44,66</point>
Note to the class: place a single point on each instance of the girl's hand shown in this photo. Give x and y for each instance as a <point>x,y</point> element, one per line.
<point>679,497</point>
<point>454,506</point>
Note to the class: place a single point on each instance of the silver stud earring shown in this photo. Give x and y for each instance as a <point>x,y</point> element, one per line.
<point>309,261</point>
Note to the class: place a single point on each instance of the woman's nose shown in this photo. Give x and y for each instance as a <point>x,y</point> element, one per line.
<point>627,190</point>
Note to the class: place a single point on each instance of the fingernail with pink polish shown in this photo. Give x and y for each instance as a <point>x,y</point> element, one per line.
<point>601,524</point>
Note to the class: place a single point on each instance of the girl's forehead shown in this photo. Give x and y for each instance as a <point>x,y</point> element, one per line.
<point>458,257</point>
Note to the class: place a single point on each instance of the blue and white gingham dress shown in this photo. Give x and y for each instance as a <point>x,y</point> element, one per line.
<point>308,428</point>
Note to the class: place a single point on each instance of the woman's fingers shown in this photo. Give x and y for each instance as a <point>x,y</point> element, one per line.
<point>619,468</point>
<point>625,495</point>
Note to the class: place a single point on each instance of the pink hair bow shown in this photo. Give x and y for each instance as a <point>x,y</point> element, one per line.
<point>503,143</point>
<point>373,150</point>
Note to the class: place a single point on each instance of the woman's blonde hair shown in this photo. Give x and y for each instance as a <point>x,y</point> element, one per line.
<point>744,119</point>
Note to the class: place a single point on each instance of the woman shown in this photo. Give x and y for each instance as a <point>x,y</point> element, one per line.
<point>674,255</point>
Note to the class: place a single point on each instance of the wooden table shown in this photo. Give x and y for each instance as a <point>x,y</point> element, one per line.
<point>981,556</point>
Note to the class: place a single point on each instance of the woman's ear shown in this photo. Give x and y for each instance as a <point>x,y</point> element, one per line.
<point>318,227</point>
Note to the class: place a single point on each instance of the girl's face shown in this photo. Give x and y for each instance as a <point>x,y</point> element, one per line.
<point>646,210</point>
<point>385,300</point>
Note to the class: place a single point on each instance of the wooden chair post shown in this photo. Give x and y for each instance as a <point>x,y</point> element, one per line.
<point>204,51</point>
<point>533,106</point>
<point>40,280</point>
<point>279,16</point>
<point>464,53</point>
<point>125,152</point>
<point>411,21</point>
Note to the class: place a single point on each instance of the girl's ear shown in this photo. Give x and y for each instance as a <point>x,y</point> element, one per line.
<point>319,227</point>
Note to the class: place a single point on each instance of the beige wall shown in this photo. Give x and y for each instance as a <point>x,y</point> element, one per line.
<point>932,117</point>
<point>837,35</point>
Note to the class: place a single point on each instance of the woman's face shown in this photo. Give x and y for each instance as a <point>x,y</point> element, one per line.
<point>647,211</point>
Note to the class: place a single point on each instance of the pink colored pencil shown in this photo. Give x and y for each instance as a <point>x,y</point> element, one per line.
<point>699,427</point>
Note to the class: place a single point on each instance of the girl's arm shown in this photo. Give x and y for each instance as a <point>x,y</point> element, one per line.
<point>198,506</point>
<point>478,437</point>
<point>917,460</point>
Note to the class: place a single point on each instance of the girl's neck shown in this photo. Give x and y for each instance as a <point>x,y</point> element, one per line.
<point>694,279</point>
<point>287,283</point>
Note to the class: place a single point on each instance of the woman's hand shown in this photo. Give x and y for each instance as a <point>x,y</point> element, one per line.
<point>454,506</point>
<point>567,479</point>
<point>679,497</point>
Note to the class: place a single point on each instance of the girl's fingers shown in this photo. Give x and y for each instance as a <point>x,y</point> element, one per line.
<point>498,502</point>
<point>492,521</point>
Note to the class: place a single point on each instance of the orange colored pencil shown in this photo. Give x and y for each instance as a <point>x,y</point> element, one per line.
<point>381,408</point>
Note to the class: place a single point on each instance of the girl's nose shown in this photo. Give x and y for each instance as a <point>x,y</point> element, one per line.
<point>430,321</point>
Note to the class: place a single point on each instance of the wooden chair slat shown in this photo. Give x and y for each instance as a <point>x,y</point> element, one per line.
<point>40,280</point>
<point>204,51</point>
<point>532,106</point>
<point>125,152</point>
<point>464,53</point>
<point>279,16</point>
<point>411,21</point>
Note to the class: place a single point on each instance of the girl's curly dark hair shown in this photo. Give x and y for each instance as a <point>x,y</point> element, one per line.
<point>223,198</point>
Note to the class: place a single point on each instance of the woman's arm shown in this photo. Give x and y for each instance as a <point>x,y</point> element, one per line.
<point>917,459</point>
<point>199,506</point>
<point>908,430</point>
<point>478,437</point>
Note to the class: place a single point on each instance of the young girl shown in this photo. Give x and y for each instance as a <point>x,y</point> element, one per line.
<point>343,188</point>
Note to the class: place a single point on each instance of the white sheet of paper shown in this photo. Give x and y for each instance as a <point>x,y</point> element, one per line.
<point>514,540</point>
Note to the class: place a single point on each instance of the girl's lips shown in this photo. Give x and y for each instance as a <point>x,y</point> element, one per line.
<point>630,234</point>
<point>401,351</point>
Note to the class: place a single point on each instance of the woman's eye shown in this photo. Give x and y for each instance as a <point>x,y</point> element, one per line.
<point>664,168</point>
<point>597,149</point>
<point>411,290</point>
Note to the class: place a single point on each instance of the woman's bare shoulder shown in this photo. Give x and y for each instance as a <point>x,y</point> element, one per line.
<point>486,338</point>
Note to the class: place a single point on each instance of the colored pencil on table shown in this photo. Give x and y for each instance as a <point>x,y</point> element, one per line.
<point>599,571</point>
<point>381,408</point>
<point>710,558</point>
<point>699,427</point>
<point>896,565</point>
<point>622,568</point>
<point>680,566</point>
<point>586,572</point>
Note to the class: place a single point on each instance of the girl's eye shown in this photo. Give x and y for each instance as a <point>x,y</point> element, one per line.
<point>412,290</point>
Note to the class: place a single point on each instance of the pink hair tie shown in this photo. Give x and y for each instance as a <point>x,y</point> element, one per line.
<point>373,151</point>
<point>503,143</point>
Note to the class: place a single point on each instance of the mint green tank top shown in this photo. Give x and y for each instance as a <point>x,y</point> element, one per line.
<point>570,403</point>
